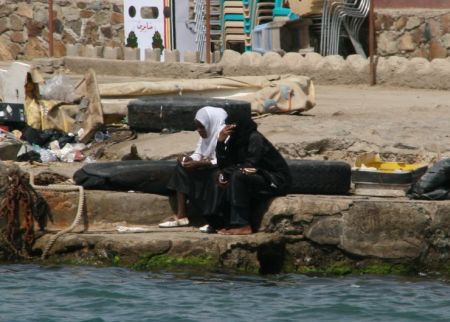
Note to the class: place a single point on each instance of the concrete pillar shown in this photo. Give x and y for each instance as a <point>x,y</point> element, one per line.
<point>131,53</point>
<point>112,53</point>
<point>171,56</point>
<point>153,54</point>
<point>191,56</point>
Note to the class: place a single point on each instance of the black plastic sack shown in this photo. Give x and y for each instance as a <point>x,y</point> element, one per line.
<point>434,184</point>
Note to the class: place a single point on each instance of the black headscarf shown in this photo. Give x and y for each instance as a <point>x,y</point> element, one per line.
<point>245,126</point>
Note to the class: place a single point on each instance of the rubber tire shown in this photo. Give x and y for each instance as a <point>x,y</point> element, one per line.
<point>153,114</point>
<point>308,177</point>
<point>143,176</point>
<point>320,177</point>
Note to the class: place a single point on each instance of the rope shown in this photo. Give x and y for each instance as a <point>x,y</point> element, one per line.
<point>76,221</point>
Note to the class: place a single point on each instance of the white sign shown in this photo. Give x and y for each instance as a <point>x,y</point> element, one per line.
<point>144,18</point>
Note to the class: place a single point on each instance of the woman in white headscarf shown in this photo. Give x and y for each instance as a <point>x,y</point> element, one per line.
<point>195,175</point>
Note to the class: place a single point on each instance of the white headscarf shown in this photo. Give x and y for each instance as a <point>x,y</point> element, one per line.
<point>213,119</point>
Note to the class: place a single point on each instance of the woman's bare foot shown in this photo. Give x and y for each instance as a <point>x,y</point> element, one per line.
<point>243,230</point>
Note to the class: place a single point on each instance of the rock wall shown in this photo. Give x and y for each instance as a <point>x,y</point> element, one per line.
<point>413,33</point>
<point>24,29</point>
<point>24,26</point>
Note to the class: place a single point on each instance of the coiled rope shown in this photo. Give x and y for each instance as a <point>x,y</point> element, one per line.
<point>78,216</point>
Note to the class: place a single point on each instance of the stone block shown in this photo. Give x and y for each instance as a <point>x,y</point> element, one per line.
<point>171,56</point>
<point>16,22</point>
<point>387,43</point>
<point>389,231</point>
<point>73,50</point>
<point>406,42</point>
<point>131,53</point>
<point>446,41</point>
<point>112,53</point>
<point>357,64</point>
<point>400,23</point>
<point>434,28</point>
<point>413,22</point>
<point>25,10</point>
<point>191,56</point>
<point>437,50</point>
<point>293,61</point>
<point>445,23</point>
<point>153,54</point>
<point>90,51</point>
<point>250,58</point>
<point>230,58</point>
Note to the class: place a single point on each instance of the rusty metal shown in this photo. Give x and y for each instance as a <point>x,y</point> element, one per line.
<point>50,27</point>
<point>21,207</point>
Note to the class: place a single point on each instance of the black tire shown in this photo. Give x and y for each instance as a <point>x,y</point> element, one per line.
<point>308,177</point>
<point>152,114</point>
<point>143,176</point>
<point>320,177</point>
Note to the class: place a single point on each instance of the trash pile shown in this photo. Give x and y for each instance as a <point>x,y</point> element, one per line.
<point>54,120</point>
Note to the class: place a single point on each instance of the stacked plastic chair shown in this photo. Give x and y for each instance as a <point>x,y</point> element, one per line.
<point>282,12</point>
<point>342,17</point>
<point>232,22</point>
<point>216,28</point>
<point>261,11</point>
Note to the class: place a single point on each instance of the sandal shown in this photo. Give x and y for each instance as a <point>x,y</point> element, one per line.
<point>175,223</point>
<point>207,229</point>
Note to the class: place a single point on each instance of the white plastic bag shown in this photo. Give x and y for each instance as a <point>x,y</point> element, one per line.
<point>59,88</point>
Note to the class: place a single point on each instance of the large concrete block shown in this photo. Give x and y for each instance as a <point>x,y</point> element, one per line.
<point>90,51</point>
<point>153,54</point>
<point>73,50</point>
<point>250,58</point>
<point>191,56</point>
<point>171,56</point>
<point>112,53</point>
<point>131,53</point>
<point>230,58</point>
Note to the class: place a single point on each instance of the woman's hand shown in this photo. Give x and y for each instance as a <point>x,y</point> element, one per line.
<point>183,159</point>
<point>226,132</point>
<point>221,181</point>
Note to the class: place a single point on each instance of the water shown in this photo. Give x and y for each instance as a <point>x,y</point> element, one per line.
<point>33,293</point>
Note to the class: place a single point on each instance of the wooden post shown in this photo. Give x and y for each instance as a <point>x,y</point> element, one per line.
<point>208,30</point>
<point>373,76</point>
<point>50,28</point>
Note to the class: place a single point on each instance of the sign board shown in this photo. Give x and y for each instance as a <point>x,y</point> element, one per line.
<point>144,18</point>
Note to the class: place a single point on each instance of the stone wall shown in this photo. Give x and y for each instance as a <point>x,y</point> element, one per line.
<point>24,26</point>
<point>413,33</point>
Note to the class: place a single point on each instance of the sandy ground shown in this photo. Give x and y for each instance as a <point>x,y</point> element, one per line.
<point>404,124</point>
<point>401,124</point>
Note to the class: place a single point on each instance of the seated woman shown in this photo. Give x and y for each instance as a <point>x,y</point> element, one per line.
<point>195,176</point>
<point>250,167</point>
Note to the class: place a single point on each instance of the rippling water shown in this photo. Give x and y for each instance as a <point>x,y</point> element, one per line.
<point>34,293</point>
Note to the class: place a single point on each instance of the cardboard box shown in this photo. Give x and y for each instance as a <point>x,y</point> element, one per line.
<point>306,7</point>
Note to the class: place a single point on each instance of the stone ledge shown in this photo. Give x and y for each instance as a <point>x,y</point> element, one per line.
<point>303,232</point>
